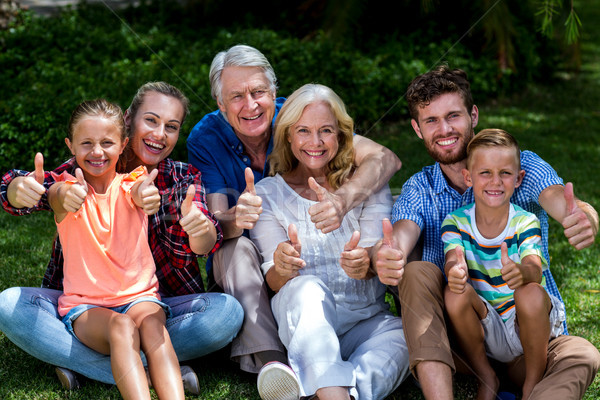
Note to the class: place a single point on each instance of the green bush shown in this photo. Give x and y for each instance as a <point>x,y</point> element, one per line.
<point>49,65</point>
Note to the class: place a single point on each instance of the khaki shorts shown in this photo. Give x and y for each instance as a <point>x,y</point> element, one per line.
<point>502,339</point>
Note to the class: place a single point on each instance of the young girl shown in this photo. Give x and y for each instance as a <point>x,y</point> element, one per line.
<point>110,300</point>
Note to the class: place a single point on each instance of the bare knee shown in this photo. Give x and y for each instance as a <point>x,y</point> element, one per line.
<point>456,303</point>
<point>531,300</point>
<point>121,328</point>
<point>152,332</point>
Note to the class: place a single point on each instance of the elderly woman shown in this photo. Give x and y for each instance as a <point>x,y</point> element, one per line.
<point>342,341</point>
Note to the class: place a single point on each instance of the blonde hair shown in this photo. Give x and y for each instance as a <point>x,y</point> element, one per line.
<point>282,160</point>
<point>493,138</point>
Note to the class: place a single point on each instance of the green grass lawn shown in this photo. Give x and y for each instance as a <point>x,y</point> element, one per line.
<point>560,121</point>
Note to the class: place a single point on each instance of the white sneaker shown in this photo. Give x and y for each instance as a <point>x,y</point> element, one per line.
<point>277,381</point>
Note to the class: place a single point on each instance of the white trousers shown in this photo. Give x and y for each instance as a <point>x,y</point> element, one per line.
<point>371,358</point>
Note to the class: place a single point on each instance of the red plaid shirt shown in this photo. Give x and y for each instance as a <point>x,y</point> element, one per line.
<point>176,264</point>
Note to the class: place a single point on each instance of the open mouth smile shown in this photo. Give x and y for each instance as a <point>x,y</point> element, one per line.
<point>155,147</point>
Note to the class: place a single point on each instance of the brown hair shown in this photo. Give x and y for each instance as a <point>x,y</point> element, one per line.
<point>427,87</point>
<point>163,88</point>
<point>158,87</point>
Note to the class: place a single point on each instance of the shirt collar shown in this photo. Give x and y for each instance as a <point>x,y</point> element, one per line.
<point>440,184</point>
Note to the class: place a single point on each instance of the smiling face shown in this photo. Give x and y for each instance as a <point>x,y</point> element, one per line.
<point>247,101</point>
<point>446,127</point>
<point>155,129</point>
<point>314,138</point>
<point>97,144</point>
<point>494,174</point>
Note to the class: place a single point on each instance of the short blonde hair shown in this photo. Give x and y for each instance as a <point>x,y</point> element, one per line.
<point>493,138</point>
<point>282,160</point>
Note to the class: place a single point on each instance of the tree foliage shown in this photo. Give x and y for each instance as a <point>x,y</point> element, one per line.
<point>49,65</point>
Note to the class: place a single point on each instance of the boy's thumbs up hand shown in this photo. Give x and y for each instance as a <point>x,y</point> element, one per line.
<point>458,273</point>
<point>511,271</point>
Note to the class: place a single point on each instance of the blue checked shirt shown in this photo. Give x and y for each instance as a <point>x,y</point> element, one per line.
<point>427,198</point>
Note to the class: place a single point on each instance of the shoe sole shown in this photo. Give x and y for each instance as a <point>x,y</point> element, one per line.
<point>278,384</point>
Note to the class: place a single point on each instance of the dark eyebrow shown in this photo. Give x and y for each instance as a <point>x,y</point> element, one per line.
<point>158,116</point>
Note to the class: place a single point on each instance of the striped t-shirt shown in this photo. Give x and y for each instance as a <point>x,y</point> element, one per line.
<point>522,235</point>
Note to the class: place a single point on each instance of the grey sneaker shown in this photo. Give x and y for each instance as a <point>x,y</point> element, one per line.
<point>190,380</point>
<point>67,378</point>
<point>277,381</point>
<point>191,384</point>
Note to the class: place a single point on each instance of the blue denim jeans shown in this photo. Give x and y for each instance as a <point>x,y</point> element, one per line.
<point>199,324</point>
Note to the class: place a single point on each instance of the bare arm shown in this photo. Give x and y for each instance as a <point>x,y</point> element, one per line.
<point>375,164</point>
<point>578,218</point>
<point>56,198</point>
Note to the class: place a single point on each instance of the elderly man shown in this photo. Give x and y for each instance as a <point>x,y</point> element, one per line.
<point>444,116</point>
<point>230,146</point>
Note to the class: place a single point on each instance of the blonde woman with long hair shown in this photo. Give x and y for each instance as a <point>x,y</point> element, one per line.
<point>342,341</point>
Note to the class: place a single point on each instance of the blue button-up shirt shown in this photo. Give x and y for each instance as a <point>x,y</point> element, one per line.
<point>426,199</point>
<point>214,148</point>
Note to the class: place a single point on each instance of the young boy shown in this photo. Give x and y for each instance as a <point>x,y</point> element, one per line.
<point>494,245</point>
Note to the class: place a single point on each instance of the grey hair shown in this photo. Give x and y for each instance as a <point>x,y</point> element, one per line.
<point>238,56</point>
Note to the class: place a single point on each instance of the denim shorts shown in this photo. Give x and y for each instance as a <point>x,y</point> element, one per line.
<point>502,339</point>
<point>76,311</point>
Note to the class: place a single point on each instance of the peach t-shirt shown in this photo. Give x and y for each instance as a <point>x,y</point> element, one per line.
<point>108,261</point>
